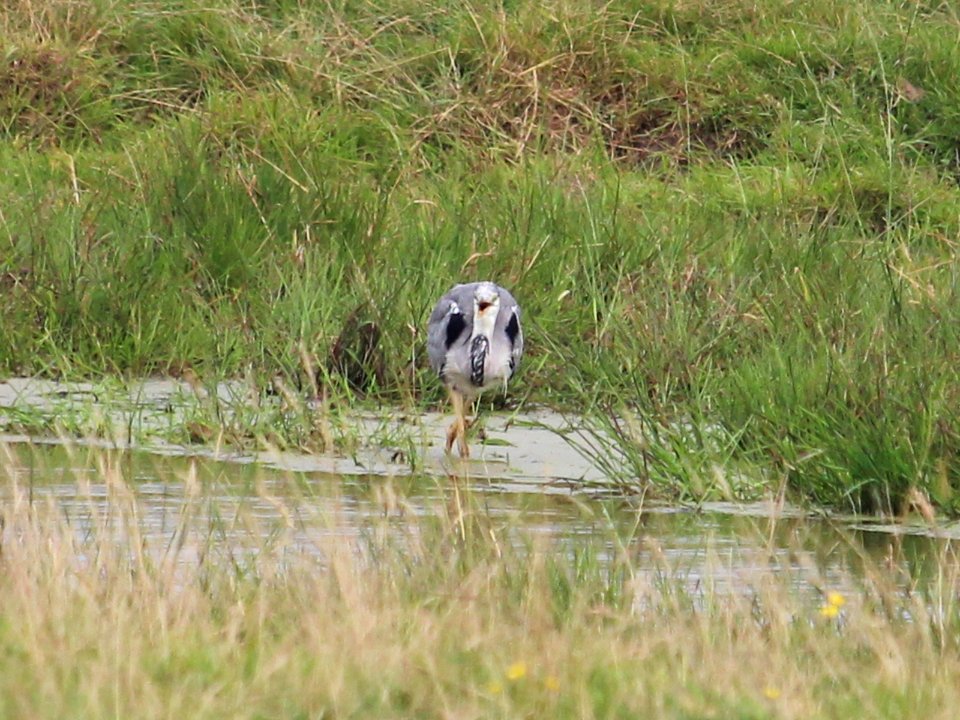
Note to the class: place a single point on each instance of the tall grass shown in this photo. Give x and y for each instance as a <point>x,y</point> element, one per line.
<point>737,215</point>
<point>447,611</point>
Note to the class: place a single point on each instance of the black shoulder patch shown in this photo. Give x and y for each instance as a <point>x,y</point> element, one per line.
<point>455,327</point>
<point>513,329</point>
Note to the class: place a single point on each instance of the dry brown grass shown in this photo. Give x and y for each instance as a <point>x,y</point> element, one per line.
<point>445,616</point>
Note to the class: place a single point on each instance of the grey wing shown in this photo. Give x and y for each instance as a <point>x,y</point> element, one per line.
<point>510,324</point>
<point>447,323</point>
<point>518,340</point>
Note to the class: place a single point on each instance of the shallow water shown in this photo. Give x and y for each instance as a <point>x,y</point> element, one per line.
<point>522,451</point>
<point>528,485</point>
<point>195,508</point>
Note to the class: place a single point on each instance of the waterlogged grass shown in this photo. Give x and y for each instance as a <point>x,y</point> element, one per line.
<point>446,612</point>
<point>147,414</point>
<point>736,218</point>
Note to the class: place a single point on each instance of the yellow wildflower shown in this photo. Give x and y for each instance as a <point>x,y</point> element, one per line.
<point>835,601</point>
<point>494,687</point>
<point>771,693</point>
<point>517,671</point>
<point>551,683</point>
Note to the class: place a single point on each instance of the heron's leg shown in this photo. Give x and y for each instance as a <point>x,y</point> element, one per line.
<point>451,431</point>
<point>458,430</point>
<point>475,409</point>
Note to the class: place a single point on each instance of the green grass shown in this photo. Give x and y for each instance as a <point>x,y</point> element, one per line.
<point>736,215</point>
<point>447,611</point>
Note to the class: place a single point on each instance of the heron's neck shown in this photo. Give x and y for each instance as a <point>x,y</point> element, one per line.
<point>483,324</point>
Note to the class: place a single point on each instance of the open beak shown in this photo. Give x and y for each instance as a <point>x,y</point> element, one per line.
<point>482,306</point>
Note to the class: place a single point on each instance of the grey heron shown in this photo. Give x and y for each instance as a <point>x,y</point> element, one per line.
<point>475,343</point>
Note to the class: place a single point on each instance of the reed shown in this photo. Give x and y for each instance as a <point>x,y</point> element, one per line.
<point>447,611</point>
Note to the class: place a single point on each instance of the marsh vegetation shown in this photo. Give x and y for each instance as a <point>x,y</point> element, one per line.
<point>147,587</point>
<point>734,218</point>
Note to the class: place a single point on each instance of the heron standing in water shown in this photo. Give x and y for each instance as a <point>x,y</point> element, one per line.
<point>475,343</point>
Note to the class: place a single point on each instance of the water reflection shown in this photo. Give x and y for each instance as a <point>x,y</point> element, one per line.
<point>200,510</point>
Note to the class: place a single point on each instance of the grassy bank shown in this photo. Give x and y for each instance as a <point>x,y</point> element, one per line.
<point>736,214</point>
<point>447,612</point>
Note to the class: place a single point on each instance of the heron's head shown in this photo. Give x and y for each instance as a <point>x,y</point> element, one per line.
<point>486,300</point>
<point>486,306</point>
